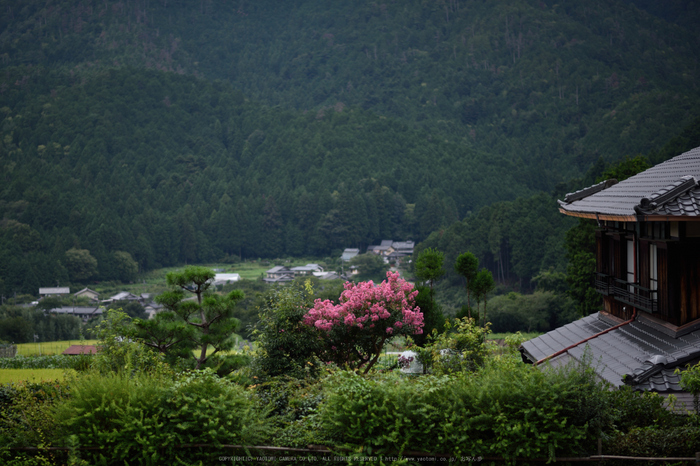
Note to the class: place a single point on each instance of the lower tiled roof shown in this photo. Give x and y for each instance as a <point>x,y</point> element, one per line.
<point>638,354</point>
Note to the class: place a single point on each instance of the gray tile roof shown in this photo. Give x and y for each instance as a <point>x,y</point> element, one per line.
<point>123,296</point>
<point>669,188</point>
<point>76,310</point>
<point>278,269</point>
<point>349,253</point>
<point>55,290</point>
<point>637,354</point>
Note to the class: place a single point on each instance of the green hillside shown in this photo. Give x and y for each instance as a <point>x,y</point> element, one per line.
<point>545,82</point>
<point>184,132</point>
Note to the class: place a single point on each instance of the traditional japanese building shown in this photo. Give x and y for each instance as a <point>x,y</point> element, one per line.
<point>648,273</point>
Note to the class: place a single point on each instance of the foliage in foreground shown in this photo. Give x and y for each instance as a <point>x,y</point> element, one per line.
<point>78,362</point>
<point>139,419</point>
<point>206,322</point>
<point>507,409</point>
<point>504,408</point>
<point>460,348</point>
<point>286,346</point>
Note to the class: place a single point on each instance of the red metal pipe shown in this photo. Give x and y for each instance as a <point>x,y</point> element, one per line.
<point>634,314</point>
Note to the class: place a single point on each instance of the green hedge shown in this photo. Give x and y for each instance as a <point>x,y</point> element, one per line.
<point>78,362</point>
<point>140,419</point>
<point>656,442</point>
<point>507,409</point>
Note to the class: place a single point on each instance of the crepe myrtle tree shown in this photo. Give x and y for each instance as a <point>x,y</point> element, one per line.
<point>367,316</point>
<point>208,321</point>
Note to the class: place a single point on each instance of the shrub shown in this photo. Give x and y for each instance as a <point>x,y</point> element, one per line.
<point>690,381</point>
<point>286,345</point>
<point>504,409</point>
<point>388,412</point>
<point>514,410</point>
<point>120,353</point>
<point>655,442</point>
<point>123,415</point>
<point>462,347</point>
<point>634,409</point>
<point>79,362</point>
<point>203,408</point>
<point>140,418</point>
<point>25,413</point>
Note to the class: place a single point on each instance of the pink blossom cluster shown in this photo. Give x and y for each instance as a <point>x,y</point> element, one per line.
<point>388,307</point>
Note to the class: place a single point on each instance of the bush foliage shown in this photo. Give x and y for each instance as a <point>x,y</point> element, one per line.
<point>78,362</point>
<point>140,419</point>
<point>506,409</point>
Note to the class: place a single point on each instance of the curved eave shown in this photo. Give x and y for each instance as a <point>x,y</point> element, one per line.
<point>599,216</point>
<point>630,218</point>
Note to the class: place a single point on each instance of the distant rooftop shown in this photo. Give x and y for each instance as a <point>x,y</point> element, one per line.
<point>349,253</point>
<point>56,290</point>
<point>224,278</point>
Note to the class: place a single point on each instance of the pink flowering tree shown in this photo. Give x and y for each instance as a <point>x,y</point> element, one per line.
<point>367,316</point>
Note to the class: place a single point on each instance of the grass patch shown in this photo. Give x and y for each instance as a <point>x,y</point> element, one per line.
<point>49,347</point>
<point>250,270</point>
<point>247,270</point>
<point>33,375</point>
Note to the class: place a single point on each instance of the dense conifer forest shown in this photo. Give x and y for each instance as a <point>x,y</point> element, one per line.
<point>154,133</point>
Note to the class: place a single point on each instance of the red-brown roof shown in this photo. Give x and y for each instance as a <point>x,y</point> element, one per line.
<point>81,349</point>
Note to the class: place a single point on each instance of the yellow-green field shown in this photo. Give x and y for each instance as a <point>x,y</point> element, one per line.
<point>49,347</point>
<point>525,335</point>
<point>248,270</point>
<point>33,375</point>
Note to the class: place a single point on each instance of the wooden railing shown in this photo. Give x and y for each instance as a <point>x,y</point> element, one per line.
<point>629,293</point>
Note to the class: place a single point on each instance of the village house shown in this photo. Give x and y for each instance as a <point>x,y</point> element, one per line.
<point>383,249</point>
<point>282,274</point>
<point>152,309</point>
<point>88,293</point>
<point>56,291</point>
<point>279,274</point>
<point>349,253</point>
<point>648,274</point>
<point>308,269</point>
<point>123,296</point>
<point>225,278</point>
<point>83,313</point>
<point>392,251</point>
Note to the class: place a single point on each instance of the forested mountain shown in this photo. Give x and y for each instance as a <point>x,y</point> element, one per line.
<point>177,131</point>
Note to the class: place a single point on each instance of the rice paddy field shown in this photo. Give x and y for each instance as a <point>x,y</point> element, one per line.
<point>33,375</point>
<point>49,347</point>
<point>153,282</point>
<point>500,336</point>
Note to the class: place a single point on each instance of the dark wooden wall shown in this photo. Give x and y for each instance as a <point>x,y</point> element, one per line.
<point>684,280</point>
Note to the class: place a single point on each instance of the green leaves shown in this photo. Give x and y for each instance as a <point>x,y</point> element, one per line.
<point>193,279</point>
<point>139,419</point>
<point>286,345</point>
<point>505,409</point>
<point>467,265</point>
<point>428,265</point>
<point>690,381</point>
<point>207,322</point>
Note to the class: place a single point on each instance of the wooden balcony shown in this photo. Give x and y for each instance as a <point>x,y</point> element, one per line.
<point>626,292</point>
